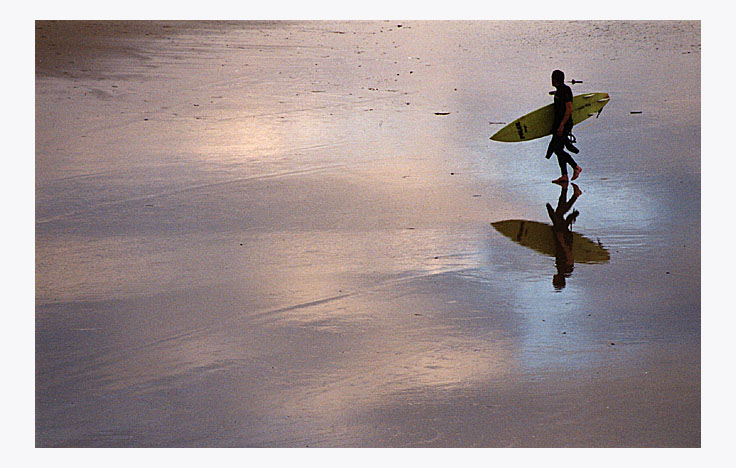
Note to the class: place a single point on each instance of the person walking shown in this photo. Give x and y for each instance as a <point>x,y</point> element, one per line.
<point>562,127</point>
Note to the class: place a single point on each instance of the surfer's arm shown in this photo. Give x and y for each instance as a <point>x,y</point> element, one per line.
<point>568,113</point>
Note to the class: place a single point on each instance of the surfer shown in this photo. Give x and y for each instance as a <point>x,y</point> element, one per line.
<point>561,128</point>
<point>564,259</point>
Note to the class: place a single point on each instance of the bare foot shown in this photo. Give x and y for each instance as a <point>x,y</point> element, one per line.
<point>576,172</point>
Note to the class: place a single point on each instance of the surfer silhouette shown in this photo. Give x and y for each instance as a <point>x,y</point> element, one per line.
<point>564,259</point>
<point>561,128</point>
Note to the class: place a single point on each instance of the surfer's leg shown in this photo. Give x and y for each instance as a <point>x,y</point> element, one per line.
<point>569,160</point>
<point>576,170</point>
<point>563,168</point>
<point>557,146</point>
<point>563,159</point>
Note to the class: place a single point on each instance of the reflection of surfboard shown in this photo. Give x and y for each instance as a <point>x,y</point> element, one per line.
<point>539,236</point>
<point>538,123</point>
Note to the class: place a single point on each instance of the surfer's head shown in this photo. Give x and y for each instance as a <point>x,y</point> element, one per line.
<point>558,77</point>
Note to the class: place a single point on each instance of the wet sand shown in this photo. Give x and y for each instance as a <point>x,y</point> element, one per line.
<point>279,235</point>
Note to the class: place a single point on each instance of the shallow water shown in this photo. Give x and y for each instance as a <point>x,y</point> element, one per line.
<point>262,234</point>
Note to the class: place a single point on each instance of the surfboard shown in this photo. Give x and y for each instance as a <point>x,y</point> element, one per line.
<point>538,123</point>
<point>540,238</point>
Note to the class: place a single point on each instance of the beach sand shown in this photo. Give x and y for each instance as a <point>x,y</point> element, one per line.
<point>278,234</point>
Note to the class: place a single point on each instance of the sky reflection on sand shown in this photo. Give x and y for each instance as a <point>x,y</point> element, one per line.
<point>266,236</point>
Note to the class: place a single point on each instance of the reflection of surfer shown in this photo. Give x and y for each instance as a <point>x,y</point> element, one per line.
<point>561,128</point>
<point>564,260</point>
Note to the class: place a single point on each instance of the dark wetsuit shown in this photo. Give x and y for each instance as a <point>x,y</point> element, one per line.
<point>557,145</point>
